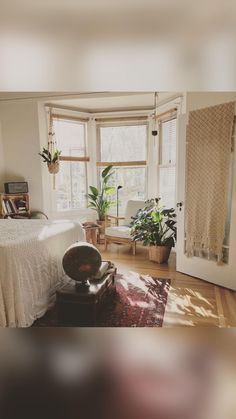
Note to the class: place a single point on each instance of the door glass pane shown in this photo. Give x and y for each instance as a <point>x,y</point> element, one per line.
<point>123,143</point>
<point>168,142</point>
<point>167,186</point>
<point>71,186</point>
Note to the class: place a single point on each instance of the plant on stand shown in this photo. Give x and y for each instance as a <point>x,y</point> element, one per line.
<point>100,199</point>
<point>155,226</point>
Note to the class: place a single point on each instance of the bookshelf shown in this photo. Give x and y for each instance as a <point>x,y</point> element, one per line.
<point>14,205</point>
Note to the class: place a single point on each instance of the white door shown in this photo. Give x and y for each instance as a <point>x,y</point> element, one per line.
<point>224,275</point>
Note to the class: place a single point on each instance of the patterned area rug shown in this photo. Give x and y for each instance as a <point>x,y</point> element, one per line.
<point>139,301</point>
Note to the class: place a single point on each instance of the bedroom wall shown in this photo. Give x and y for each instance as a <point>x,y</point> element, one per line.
<point>197,100</point>
<point>20,142</point>
<point>2,164</point>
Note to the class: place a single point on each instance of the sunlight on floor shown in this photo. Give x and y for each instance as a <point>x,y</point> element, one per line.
<point>182,303</point>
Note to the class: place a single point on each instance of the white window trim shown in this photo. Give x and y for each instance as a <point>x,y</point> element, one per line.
<point>121,124</point>
<point>168,165</point>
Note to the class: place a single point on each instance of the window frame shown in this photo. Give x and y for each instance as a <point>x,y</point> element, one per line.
<point>122,122</point>
<point>160,166</point>
<point>85,159</point>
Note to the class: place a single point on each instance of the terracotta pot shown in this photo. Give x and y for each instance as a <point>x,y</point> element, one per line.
<point>53,168</point>
<point>159,254</point>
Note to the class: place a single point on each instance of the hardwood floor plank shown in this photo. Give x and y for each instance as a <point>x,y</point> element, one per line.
<point>191,301</point>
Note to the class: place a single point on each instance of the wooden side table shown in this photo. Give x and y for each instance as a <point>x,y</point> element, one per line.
<point>92,232</point>
<point>82,307</point>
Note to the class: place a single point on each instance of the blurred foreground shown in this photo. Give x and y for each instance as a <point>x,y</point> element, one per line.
<point>128,373</point>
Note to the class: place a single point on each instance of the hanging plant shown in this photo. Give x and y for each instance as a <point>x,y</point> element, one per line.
<point>51,155</point>
<point>52,159</point>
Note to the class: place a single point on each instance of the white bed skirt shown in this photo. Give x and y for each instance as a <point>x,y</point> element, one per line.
<point>31,270</point>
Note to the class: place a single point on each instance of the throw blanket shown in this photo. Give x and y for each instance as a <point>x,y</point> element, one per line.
<point>209,142</point>
<point>31,252</point>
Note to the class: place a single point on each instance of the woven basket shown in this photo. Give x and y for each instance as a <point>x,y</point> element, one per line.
<point>159,254</point>
<point>53,168</point>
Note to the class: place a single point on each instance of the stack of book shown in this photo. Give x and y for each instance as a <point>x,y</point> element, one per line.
<point>21,206</point>
<point>17,206</point>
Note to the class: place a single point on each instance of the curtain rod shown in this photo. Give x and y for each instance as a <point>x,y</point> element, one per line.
<point>122,118</point>
<point>169,112</point>
<point>69,117</point>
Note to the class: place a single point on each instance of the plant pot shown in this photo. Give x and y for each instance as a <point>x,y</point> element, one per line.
<point>53,168</point>
<point>159,254</point>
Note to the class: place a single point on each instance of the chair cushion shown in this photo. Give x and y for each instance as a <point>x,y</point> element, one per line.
<point>118,231</point>
<point>132,209</point>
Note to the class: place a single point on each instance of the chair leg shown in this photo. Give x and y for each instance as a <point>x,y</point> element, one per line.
<point>105,242</point>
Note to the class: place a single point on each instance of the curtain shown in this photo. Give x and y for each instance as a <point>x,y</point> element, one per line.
<point>209,143</point>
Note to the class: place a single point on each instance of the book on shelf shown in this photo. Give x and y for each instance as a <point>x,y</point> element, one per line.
<point>8,207</point>
<point>13,207</point>
<point>4,206</point>
<point>21,205</point>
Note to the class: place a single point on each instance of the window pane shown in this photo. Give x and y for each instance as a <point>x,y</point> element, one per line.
<point>133,182</point>
<point>123,143</point>
<point>168,142</point>
<point>71,186</point>
<point>167,186</point>
<point>70,137</point>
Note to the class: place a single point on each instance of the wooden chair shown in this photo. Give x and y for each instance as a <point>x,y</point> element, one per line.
<point>120,234</point>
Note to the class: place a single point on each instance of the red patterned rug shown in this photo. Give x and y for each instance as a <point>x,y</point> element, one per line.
<point>139,301</point>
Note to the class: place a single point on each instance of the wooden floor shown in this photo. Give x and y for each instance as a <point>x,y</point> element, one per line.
<point>191,302</point>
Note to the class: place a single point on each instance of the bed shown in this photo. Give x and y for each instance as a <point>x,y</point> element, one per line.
<point>31,266</point>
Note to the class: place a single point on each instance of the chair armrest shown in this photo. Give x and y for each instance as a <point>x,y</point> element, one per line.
<point>113,217</point>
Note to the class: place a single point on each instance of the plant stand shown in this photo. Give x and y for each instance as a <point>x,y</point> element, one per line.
<point>92,232</point>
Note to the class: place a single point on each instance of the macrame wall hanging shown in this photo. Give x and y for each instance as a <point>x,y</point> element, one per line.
<point>209,143</point>
<point>51,154</point>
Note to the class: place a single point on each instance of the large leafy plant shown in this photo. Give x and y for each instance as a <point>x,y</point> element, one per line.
<point>154,225</point>
<point>50,157</point>
<point>100,200</point>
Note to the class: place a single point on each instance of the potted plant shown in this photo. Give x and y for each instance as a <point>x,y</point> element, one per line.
<point>100,200</point>
<point>52,160</point>
<point>155,226</point>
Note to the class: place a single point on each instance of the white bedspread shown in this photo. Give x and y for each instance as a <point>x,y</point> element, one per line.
<point>31,266</point>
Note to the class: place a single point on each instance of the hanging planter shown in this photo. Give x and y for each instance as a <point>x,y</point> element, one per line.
<point>51,155</point>
<point>53,168</point>
<point>52,160</point>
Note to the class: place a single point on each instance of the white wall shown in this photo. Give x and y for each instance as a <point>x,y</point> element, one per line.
<point>2,163</point>
<point>20,142</point>
<point>197,100</point>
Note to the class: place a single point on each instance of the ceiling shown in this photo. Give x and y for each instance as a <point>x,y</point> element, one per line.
<point>93,101</point>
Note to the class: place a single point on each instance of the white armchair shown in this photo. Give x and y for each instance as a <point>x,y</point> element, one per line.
<point>120,234</point>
